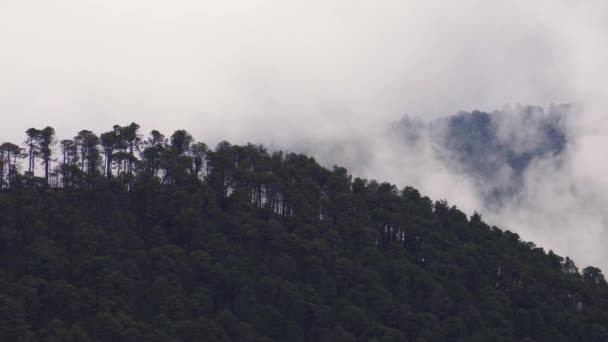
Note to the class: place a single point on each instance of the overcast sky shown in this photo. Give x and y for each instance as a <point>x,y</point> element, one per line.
<point>278,71</point>
<point>217,67</point>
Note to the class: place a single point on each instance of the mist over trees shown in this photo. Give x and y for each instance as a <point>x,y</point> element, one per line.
<point>128,237</point>
<point>493,148</point>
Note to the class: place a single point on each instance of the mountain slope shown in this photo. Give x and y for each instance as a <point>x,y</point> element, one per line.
<point>244,245</point>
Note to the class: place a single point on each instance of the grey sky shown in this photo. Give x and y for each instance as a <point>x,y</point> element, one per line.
<point>220,66</point>
<point>275,71</point>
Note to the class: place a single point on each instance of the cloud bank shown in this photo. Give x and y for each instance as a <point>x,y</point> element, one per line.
<point>280,73</point>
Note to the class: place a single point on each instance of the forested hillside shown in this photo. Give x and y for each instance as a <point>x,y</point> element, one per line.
<point>118,237</point>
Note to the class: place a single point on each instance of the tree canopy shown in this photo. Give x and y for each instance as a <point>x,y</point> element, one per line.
<point>133,238</point>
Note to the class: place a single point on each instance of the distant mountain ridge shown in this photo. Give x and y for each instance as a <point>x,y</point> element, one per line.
<point>496,148</point>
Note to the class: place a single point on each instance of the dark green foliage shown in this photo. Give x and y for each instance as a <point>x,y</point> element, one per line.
<point>236,244</point>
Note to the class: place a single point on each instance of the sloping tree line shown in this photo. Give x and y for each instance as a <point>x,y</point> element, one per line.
<point>122,155</point>
<point>132,238</point>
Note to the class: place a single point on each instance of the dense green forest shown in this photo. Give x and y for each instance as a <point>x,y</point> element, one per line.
<point>120,237</point>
